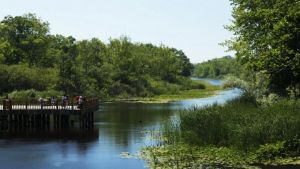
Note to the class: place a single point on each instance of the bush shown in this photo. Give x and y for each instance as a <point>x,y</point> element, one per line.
<point>159,87</point>
<point>21,77</point>
<point>31,93</point>
<point>23,94</point>
<point>197,85</point>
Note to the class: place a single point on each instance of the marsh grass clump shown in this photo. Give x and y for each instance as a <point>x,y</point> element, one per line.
<point>241,124</point>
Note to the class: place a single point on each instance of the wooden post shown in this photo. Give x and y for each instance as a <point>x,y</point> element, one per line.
<point>26,104</point>
<point>4,104</point>
<point>72,104</point>
<point>80,120</point>
<point>48,121</point>
<point>9,104</point>
<point>54,120</point>
<point>92,120</point>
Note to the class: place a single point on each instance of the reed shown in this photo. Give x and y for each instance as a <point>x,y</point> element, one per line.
<point>241,123</point>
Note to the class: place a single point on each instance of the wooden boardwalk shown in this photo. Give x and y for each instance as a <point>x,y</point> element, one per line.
<point>38,107</point>
<point>24,114</point>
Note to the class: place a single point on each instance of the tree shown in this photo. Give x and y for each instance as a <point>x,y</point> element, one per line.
<point>267,39</point>
<point>27,39</point>
<point>93,66</point>
<point>218,68</point>
<point>186,66</point>
<point>69,80</point>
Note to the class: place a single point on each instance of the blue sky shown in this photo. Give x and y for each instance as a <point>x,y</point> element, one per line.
<point>194,26</point>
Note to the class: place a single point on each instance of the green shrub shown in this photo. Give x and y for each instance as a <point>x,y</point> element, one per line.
<point>31,93</point>
<point>21,77</point>
<point>197,84</point>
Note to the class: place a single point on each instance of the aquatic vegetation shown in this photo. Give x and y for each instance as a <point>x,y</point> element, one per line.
<point>187,156</point>
<point>284,152</point>
<point>239,134</point>
<point>241,124</point>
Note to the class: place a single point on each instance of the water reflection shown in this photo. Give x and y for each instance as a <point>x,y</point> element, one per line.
<point>220,98</point>
<point>82,140</point>
<point>118,128</point>
<point>216,82</point>
<point>122,123</point>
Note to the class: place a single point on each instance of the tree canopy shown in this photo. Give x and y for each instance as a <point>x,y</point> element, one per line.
<point>23,39</point>
<point>91,67</point>
<point>218,68</point>
<point>267,40</point>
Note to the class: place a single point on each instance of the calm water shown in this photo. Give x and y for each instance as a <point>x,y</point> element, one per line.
<point>119,127</point>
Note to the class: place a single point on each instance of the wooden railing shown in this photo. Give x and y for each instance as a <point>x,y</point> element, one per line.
<point>35,104</point>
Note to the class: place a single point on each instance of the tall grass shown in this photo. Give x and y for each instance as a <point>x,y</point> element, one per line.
<point>239,134</point>
<point>241,123</point>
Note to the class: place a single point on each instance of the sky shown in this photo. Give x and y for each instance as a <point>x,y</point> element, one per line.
<point>194,26</point>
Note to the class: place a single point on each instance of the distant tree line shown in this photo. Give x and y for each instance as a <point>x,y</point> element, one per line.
<point>32,58</point>
<point>218,68</point>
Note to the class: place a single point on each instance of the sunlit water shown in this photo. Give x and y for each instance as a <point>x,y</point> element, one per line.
<point>119,127</point>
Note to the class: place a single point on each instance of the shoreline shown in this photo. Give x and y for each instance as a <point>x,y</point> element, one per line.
<point>167,98</point>
<point>208,91</point>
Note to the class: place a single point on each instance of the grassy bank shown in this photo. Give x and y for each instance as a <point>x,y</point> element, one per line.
<point>195,89</point>
<point>199,89</point>
<point>239,134</point>
<point>165,98</point>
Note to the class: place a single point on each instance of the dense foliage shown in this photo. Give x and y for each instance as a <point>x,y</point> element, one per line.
<point>32,58</point>
<point>267,40</point>
<point>218,68</point>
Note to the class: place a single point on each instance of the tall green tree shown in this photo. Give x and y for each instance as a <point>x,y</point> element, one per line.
<point>69,77</point>
<point>24,39</point>
<point>186,65</point>
<point>267,40</point>
<point>93,66</point>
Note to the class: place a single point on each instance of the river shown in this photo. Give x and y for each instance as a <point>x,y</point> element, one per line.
<point>119,127</point>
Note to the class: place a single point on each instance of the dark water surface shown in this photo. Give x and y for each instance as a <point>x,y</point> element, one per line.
<point>119,127</point>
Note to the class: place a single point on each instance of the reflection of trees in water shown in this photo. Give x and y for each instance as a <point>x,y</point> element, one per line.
<point>125,122</point>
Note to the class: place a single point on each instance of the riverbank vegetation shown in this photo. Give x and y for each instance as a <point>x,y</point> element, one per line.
<point>242,133</point>
<point>199,89</point>
<point>260,128</point>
